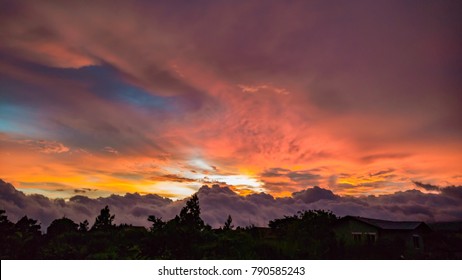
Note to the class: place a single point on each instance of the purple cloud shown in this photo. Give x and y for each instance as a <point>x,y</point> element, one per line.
<point>218,202</point>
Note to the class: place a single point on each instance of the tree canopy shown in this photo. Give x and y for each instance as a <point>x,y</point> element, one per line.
<point>305,235</point>
<point>104,220</point>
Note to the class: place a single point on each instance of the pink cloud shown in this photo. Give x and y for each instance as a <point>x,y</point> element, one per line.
<point>252,87</point>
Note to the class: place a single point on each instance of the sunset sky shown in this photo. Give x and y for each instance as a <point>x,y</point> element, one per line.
<point>161,97</point>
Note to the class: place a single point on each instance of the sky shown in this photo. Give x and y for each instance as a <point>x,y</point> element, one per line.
<point>260,97</point>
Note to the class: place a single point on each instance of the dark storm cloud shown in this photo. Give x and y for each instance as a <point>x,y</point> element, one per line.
<point>218,202</point>
<point>428,187</point>
<point>314,194</point>
<point>449,191</point>
<point>452,191</point>
<point>130,208</point>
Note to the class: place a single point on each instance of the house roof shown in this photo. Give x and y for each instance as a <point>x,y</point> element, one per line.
<point>388,225</point>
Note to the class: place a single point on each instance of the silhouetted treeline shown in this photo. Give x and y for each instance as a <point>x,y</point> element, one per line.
<point>307,235</point>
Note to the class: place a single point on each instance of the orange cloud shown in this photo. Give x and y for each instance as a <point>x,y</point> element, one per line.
<point>136,98</point>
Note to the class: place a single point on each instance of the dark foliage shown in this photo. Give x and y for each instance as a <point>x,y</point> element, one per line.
<point>306,235</point>
<point>104,220</point>
<point>6,234</point>
<point>61,226</point>
<point>228,224</point>
<point>25,239</point>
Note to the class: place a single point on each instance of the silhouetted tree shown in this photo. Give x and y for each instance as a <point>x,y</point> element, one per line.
<point>63,241</point>
<point>155,246</point>
<point>6,230</point>
<point>104,220</point>
<point>83,226</point>
<point>5,224</point>
<point>3,218</point>
<point>28,226</point>
<point>157,223</point>
<point>27,239</point>
<point>190,214</point>
<point>307,235</point>
<point>317,234</point>
<point>61,226</point>
<point>228,224</point>
<point>183,237</point>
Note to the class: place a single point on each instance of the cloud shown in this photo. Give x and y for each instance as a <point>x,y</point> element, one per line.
<point>450,191</point>
<point>314,194</point>
<point>218,202</point>
<point>279,180</point>
<point>428,187</point>
<point>366,92</point>
<point>275,172</point>
<point>110,150</point>
<point>254,89</point>
<point>377,157</point>
<point>130,208</point>
<point>382,172</point>
<point>304,177</point>
<point>84,190</point>
<point>173,178</point>
<point>38,184</point>
<point>45,146</point>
